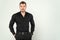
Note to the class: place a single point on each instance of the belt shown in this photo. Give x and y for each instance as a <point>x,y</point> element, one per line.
<point>22,33</point>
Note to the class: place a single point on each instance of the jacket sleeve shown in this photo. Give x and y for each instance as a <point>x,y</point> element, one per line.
<point>32,24</point>
<point>11,24</point>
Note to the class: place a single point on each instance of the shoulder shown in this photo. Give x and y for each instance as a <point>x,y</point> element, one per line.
<point>29,14</point>
<point>15,14</point>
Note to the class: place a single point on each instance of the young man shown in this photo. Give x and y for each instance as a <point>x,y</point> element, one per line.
<point>22,19</point>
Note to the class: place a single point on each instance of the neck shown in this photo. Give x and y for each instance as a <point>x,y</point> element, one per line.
<point>22,12</point>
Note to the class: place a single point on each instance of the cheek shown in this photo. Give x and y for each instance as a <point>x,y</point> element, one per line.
<point>24,7</point>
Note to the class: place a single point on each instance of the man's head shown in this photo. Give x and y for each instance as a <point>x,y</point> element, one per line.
<point>22,6</point>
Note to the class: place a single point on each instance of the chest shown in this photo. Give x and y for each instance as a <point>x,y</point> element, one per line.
<point>21,19</point>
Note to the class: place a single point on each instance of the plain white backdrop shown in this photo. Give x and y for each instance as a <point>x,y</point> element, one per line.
<point>46,16</point>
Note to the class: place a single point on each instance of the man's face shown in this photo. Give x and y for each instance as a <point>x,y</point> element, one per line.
<point>22,7</point>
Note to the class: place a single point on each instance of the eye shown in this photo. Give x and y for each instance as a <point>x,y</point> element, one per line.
<point>20,6</point>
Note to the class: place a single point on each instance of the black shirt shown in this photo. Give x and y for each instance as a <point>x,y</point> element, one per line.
<point>22,22</point>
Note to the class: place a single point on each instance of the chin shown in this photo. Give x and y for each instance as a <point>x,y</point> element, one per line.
<point>22,11</point>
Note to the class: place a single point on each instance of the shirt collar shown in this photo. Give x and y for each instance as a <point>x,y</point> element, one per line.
<point>25,13</point>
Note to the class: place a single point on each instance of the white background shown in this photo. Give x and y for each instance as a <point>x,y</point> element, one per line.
<point>46,15</point>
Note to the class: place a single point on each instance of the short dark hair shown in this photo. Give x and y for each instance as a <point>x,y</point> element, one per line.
<point>22,2</point>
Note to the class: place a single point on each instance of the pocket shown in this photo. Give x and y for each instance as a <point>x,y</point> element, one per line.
<point>16,35</point>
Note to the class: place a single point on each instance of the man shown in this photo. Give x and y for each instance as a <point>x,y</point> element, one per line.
<point>22,19</point>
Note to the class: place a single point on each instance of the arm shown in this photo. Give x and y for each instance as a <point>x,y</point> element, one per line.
<point>32,24</point>
<point>11,24</point>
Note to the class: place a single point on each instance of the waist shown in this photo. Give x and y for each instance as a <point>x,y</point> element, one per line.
<point>22,32</point>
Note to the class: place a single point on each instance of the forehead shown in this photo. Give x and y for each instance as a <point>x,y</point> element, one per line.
<point>22,4</point>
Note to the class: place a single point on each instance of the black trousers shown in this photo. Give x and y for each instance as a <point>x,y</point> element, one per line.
<point>22,39</point>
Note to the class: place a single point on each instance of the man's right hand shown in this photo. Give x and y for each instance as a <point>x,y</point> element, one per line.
<point>14,35</point>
